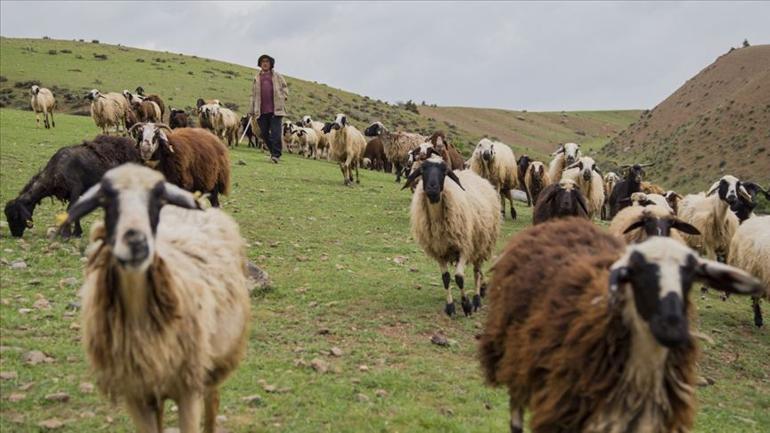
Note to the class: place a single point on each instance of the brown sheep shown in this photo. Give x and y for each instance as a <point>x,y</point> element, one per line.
<point>146,111</point>
<point>651,188</point>
<point>192,158</point>
<point>560,200</point>
<point>535,179</point>
<point>593,336</point>
<point>374,155</point>
<point>178,119</point>
<point>447,151</point>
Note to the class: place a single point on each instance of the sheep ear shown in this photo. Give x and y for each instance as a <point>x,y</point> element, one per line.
<point>411,178</point>
<point>451,174</point>
<point>582,202</point>
<point>727,278</point>
<point>714,188</point>
<point>558,151</point>
<point>596,169</point>
<point>172,194</point>
<point>743,193</point>
<point>85,205</point>
<point>618,276</point>
<point>344,120</point>
<point>634,226</point>
<point>684,227</point>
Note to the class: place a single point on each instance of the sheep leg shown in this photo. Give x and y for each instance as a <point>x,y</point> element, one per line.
<point>37,119</point>
<point>53,124</point>
<point>399,169</point>
<point>214,198</point>
<point>479,277</point>
<point>190,407</point>
<point>460,280</point>
<point>358,180</point>
<point>510,199</point>
<point>755,300</point>
<point>449,308</point>
<point>45,120</point>
<point>144,415</point>
<point>344,173</point>
<point>210,409</point>
<point>517,418</point>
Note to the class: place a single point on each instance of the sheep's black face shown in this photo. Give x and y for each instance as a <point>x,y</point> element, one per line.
<point>327,128</point>
<point>433,175</point>
<point>18,216</point>
<point>636,173</point>
<point>373,130</point>
<point>728,191</point>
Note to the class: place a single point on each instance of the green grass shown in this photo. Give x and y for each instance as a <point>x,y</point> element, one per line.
<point>329,250</point>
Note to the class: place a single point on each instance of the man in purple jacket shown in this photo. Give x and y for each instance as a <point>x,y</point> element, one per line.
<point>269,93</point>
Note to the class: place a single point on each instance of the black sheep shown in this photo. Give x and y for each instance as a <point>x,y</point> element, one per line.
<point>68,174</point>
<point>523,164</point>
<point>560,200</point>
<point>630,184</point>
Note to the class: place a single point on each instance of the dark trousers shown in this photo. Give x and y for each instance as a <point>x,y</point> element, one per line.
<point>270,125</point>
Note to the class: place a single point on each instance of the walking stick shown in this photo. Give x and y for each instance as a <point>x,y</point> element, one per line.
<point>245,130</point>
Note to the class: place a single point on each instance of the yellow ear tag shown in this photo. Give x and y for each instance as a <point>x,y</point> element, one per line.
<point>61,217</point>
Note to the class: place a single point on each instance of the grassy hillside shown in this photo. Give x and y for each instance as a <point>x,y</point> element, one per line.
<point>72,68</point>
<point>345,274</point>
<point>716,123</point>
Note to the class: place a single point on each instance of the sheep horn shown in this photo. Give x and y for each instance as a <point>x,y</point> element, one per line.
<point>163,126</point>
<point>684,227</point>
<point>558,151</point>
<point>134,126</point>
<point>179,197</point>
<point>454,177</point>
<point>411,178</point>
<point>647,164</point>
<point>745,194</point>
<point>85,205</point>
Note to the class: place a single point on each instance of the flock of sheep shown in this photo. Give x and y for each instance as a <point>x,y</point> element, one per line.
<point>589,328</point>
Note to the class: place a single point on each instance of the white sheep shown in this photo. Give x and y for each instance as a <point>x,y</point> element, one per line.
<point>108,110</point>
<point>42,101</point>
<point>566,155</point>
<point>750,251</point>
<point>610,180</point>
<point>323,144</point>
<point>165,300</point>
<point>587,175</point>
<point>644,199</point>
<point>637,223</point>
<point>307,139</point>
<point>347,147</point>
<point>397,145</point>
<point>495,162</point>
<point>226,124</point>
<point>454,221</point>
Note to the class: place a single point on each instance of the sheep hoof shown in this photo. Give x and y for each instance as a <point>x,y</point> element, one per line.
<point>467,307</point>
<point>476,302</point>
<point>449,309</point>
<point>483,290</point>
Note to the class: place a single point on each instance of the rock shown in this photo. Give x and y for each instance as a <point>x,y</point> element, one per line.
<point>25,310</point>
<point>705,381</point>
<point>87,414</point>
<point>51,424</point>
<point>241,162</point>
<point>8,375</point>
<point>27,386</point>
<point>35,357</point>
<point>319,365</point>
<point>18,264</point>
<point>42,303</point>
<point>324,331</point>
<point>61,397</point>
<point>302,258</point>
<point>362,398</point>
<point>259,277</point>
<point>75,326</point>
<point>522,118</point>
<point>339,267</point>
<point>335,351</point>
<point>439,340</point>
<point>68,283</point>
<point>269,388</point>
<point>86,387</point>
<point>414,270</point>
<point>363,368</point>
<point>253,400</point>
<point>16,396</point>
<point>399,260</point>
<point>381,393</point>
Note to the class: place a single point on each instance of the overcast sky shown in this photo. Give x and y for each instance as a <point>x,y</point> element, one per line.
<point>535,56</point>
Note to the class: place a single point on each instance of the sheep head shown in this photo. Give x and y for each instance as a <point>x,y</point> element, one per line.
<point>149,137</point>
<point>307,121</point>
<point>729,187</point>
<point>132,197</point>
<point>485,150</point>
<point>340,121</point>
<point>538,169</point>
<point>140,91</point>
<point>34,90</point>
<point>375,129</point>
<point>586,165</point>
<point>571,152</point>
<point>93,95</point>
<point>433,171</point>
<point>654,225</point>
<point>19,217</point>
<point>655,277</point>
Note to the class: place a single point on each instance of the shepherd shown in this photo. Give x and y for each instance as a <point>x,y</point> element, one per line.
<point>269,93</point>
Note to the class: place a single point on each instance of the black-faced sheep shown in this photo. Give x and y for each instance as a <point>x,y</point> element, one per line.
<point>593,336</point>
<point>744,206</point>
<point>522,166</point>
<point>68,174</point>
<point>396,144</point>
<point>586,174</point>
<point>42,101</point>
<point>347,147</point>
<point>178,119</point>
<point>750,251</point>
<point>560,200</point>
<point>535,180</point>
<point>108,110</point>
<point>165,300</point>
<point>637,223</point>
<point>566,155</point>
<point>496,162</point>
<point>454,218</point>
<point>191,158</point>
<point>630,184</point>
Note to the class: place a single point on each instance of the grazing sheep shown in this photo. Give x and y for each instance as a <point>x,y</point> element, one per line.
<point>610,180</point>
<point>522,166</point>
<point>307,138</point>
<point>165,300</point>
<point>630,184</point>
<point>226,124</point>
<point>750,251</point>
<point>146,111</point>
<point>710,214</point>
<point>447,151</point>
<point>454,222</point>
<point>535,180</point>
<point>68,174</point>
<point>637,223</point>
<point>374,155</point>
<point>496,162</point>
<point>593,336</point>
<point>178,119</point>
<point>586,174</point>
<point>566,155</point>
<point>191,158</point>
<point>397,145</point>
<point>44,102</point>
<point>347,147</point>
<point>560,200</point>
<point>108,110</point>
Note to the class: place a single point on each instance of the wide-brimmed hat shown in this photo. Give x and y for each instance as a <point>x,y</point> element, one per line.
<point>269,59</point>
